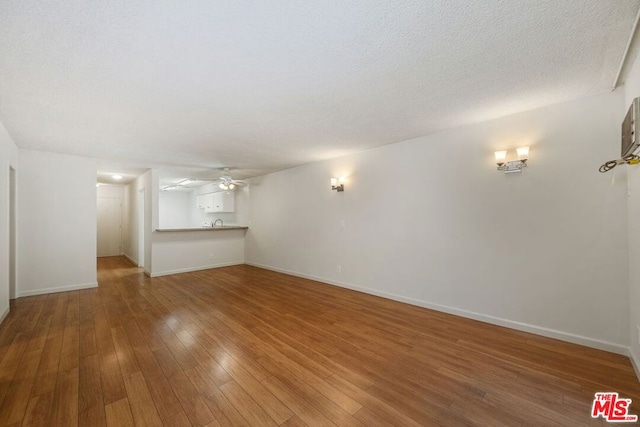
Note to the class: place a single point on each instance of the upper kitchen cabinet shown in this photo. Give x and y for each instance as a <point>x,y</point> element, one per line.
<point>222,201</point>
<point>201,200</point>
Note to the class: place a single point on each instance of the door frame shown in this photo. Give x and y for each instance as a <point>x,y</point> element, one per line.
<point>13,232</point>
<point>141,224</point>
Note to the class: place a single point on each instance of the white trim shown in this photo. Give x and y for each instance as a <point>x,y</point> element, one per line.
<point>634,362</point>
<point>58,289</point>
<point>4,315</point>
<point>512,324</point>
<point>190,269</point>
<point>133,261</point>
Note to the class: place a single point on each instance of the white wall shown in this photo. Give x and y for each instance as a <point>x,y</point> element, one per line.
<point>174,210</point>
<point>430,221</point>
<point>632,90</point>
<point>130,223</point>
<point>8,158</point>
<point>177,252</point>
<point>243,206</point>
<point>57,222</point>
<point>111,191</point>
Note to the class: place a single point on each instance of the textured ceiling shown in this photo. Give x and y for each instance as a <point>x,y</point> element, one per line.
<point>266,85</point>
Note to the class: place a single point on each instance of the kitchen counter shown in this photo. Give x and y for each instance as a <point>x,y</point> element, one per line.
<point>222,228</point>
<point>178,250</point>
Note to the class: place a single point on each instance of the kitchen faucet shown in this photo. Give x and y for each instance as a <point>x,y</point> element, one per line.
<point>216,221</point>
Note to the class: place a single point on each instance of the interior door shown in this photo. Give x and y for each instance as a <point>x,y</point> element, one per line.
<point>109,226</point>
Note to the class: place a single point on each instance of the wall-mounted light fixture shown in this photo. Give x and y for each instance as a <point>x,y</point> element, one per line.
<point>337,183</point>
<point>512,166</point>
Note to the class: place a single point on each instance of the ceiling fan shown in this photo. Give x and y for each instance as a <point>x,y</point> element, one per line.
<point>226,181</point>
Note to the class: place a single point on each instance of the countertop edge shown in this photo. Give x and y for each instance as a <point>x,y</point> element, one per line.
<point>162,230</point>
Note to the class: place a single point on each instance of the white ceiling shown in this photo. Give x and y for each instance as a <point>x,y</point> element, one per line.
<point>263,85</point>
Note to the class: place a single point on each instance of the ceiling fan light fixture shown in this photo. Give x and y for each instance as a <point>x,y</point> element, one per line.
<point>227,183</point>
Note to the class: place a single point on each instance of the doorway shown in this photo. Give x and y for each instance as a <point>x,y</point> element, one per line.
<point>13,292</point>
<point>109,226</point>
<point>141,228</point>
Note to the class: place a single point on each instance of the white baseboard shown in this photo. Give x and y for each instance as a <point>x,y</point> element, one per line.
<point>133,261</point>
<point>635,363</point>
<point>190,269</point>
<point>512,324</point>
<point>4,315</point>
<point>58,289</point>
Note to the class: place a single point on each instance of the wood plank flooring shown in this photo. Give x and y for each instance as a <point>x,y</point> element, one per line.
<point>242,346</point>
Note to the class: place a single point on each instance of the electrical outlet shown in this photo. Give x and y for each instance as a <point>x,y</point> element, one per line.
<point>339,269</point>
<point>210,257</point>
<point>638,326</point>
<point>343,224</point>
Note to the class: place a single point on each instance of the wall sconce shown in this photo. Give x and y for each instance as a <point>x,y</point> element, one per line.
<point>512,166</point>
<point>337,183</point>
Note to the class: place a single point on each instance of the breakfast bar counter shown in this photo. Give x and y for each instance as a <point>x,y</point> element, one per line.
<point>217,228</point>
<point>179,250</point>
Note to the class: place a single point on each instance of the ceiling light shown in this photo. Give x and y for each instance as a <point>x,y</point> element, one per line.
<point>116,176</point>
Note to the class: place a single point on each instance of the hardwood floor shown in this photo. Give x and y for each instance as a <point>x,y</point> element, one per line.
<point>244,346</point>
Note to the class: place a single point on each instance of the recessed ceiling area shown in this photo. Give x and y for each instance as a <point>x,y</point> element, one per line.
<point>263,86</point>
<point>128,171</point>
